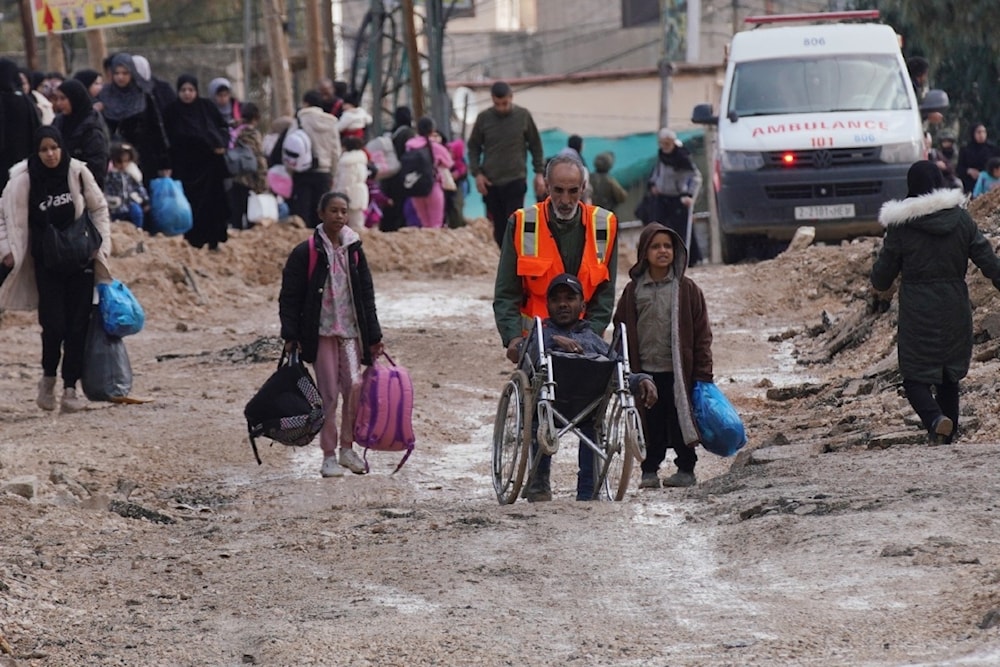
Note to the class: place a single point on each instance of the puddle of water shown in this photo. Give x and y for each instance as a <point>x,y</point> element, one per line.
<point>783,368</point>
<point>414,310</point>
<point>405,603</point>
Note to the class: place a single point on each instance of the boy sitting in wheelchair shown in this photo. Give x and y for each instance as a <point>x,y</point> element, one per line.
<point>572,348</point>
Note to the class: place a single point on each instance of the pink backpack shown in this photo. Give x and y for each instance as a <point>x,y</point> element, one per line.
<point>385,412</point>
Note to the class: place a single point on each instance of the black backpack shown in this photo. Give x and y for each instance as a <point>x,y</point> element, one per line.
<point>416,171</point>
<point>287,408</point>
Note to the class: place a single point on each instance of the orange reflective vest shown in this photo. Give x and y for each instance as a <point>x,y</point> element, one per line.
<point>538,259</point>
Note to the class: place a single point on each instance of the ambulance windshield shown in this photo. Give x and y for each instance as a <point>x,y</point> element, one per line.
<point>873,82</point>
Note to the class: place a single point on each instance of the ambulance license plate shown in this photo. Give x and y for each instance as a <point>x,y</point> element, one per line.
<point>826,212</point>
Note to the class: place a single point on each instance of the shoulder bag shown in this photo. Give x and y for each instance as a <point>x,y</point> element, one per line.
<point>70,248</point>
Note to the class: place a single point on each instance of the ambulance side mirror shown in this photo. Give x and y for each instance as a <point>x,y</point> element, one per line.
<point>704,115</point>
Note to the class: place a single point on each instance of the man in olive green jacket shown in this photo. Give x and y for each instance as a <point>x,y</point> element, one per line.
<point>498,145</point>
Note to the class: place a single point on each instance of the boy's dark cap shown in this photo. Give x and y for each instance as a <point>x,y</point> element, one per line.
<point>567,279</point>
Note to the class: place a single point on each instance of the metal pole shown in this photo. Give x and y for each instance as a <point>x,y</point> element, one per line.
<point>665,67</point>
<point>440,102</point>
<point>375,64</point>
<point>247,28</point>
<point>693,36</point>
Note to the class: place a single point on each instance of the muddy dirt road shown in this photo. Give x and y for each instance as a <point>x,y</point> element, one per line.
<point>149,536</point>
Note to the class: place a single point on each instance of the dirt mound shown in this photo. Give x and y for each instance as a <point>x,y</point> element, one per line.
<point>838,326</point>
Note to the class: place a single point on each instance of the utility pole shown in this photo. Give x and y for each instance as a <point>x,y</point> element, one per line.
<point>692,37</point>
<point>28,29</point>
<point>97,49</point>
<point>375,64</point>
<point>277,54</point>
<point>314,41</point>
<point>329,41</point>
<point>55,58</point>
<point>440,102</point>
<point>666,67</point>
<point>413,58</point>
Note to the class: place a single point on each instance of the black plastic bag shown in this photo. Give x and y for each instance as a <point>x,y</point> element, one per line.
<point>107,373</point>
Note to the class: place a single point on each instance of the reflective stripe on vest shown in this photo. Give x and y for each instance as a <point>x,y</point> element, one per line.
<point>601,218</point>
<point>529,232</point>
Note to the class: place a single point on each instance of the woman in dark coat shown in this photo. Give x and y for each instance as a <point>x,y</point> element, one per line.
<point>85,136</point>
<point>974,155</point>
<point>132,116</point>
<point>198,139</point>
<point>18,120</point>
<point>929,240</point>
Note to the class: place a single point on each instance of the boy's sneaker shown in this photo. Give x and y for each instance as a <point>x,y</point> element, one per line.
<point>941,431</point>
<point>650,480</point>
<point>539,491</point>
<point>680,478</point>
<point>350,460</point>
<point>331,468</point>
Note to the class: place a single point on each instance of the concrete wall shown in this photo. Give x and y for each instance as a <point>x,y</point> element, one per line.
<point>615,105</point>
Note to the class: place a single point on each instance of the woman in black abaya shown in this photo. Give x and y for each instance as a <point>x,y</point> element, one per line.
<point>198,139</point>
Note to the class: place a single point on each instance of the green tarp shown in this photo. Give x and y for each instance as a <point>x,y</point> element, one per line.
<point>635,155</point>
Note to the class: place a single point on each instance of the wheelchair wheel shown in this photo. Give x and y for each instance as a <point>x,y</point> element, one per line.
<point>511,440</point>
<point>614,474</point>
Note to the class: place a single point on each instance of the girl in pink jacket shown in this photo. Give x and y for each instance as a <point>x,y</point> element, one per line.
<point>430,209</point>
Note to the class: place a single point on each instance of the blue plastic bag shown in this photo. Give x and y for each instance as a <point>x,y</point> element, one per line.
<point>720,425</point>
<point>121,313</point>
<point>170,208</point>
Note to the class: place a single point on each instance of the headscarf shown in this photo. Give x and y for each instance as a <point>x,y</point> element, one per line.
<point>215,84</point>
<point>923,178</point>
<point>48,182</point>
<point>142,68</point>
<point>122,103</point>
<point>194,119</point>
<point>79,99</point>
<point>10,80</point>
<point>87,77</point>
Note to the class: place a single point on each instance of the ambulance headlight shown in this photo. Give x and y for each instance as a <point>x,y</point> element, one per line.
<point>742,160</point>
<point>903,153</point>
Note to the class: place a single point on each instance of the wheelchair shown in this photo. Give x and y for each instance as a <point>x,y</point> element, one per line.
<point>556,392</point>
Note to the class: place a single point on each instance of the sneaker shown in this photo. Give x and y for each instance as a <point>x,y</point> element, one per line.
<point>680,478</point>
<point>71,402</point>
<point>649,480</point>
<point>350,460</point>
<point>941,430</point>
<point>46,393</point>
<point>331,468</point>
<point>539,491</point>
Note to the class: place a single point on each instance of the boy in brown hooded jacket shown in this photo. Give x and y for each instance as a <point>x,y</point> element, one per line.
<point>658,299</point>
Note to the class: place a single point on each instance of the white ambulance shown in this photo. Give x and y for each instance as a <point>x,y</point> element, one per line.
<point>817,125</point>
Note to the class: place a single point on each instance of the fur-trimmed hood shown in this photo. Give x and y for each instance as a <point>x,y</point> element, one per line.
<point>923,211</point>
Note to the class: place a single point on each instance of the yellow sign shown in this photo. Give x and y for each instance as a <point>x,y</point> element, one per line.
<point>65,16</point>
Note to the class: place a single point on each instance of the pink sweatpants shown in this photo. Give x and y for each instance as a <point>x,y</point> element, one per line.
<point>338,373</point>
<point>430,209</point>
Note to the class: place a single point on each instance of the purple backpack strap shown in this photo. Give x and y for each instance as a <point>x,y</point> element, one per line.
<point>313,256</point>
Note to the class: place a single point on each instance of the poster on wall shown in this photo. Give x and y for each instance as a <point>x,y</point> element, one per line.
<point>65,16</point>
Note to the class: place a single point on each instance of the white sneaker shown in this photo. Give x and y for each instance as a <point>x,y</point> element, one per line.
<point>71,402</point>
<point>331,468</point>
<point>350,460</point>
